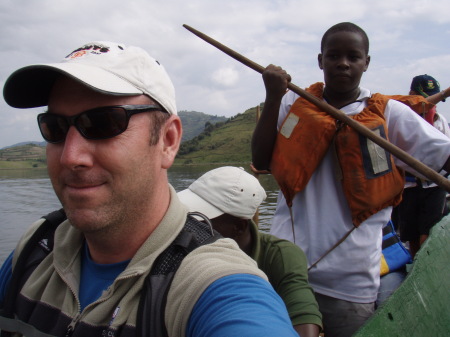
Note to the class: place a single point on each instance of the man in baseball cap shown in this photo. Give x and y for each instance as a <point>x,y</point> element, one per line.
<point>230,197</point>
<point>423,202</point>
<point>113,132</point>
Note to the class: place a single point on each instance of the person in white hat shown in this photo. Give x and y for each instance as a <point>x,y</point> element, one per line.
<point>113,132</point>
<point>230,197</point>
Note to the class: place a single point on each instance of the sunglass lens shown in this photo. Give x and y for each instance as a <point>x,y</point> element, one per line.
<point>53,127</point>
<point>102,123</point>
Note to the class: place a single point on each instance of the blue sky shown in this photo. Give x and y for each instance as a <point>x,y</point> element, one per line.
<point>407,38</point>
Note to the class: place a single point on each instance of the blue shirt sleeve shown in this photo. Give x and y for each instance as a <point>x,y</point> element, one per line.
<point>5,276</point>
<point>241,305</point>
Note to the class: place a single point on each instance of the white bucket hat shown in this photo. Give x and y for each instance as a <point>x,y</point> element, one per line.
<point>228,190</point>
<point>108,67</point>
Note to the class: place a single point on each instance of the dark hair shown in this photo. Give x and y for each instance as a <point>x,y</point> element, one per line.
<point>158,119</point>
<point>345,27</point>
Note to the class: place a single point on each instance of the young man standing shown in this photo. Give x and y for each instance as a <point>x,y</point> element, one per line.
<point>334,168</point>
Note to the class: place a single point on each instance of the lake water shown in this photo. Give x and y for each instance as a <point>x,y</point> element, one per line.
<point>26,195</point>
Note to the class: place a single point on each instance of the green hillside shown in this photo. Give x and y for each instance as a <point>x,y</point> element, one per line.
<point>23,156</point>
<point>223,142</point>
<point>194,122</point>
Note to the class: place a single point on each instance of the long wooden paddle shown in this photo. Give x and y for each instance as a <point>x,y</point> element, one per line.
<point>338,114</point>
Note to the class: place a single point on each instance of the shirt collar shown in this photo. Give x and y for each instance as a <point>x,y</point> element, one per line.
<point>363,94</point>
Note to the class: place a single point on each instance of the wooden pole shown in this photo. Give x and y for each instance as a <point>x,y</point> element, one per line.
<point>256,174</point>
<point>258,112</point>
<point>429,173</point>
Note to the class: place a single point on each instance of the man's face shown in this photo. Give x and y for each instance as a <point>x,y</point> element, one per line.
<point>227,225</point>
<point>107,183</point>
<point>343,61</point>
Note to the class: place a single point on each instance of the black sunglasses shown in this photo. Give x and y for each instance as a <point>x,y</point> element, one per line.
<point>99,123</point>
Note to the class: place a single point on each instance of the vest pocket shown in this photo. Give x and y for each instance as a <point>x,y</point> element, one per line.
<point>376,160</point>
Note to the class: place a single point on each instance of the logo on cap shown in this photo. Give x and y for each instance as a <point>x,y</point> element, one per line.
<point>93,48</point>
<point>430,85</point>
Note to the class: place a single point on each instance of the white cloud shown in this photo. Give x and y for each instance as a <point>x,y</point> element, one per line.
<point>406,37</point>
<point>225,77</point>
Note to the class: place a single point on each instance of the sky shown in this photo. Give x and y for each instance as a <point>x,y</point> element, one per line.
<point>407,38</point>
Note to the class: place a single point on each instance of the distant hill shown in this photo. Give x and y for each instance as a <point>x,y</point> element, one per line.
<point>25,143</point>
<point>194,122</point>
<point>206,139</point>
<point>223,142</point>
<point>29,155</point>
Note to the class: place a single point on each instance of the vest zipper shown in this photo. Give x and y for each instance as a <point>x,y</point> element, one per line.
<point>71,327</point>
<point>69,331</point>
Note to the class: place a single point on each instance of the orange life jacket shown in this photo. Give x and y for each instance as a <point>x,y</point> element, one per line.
<point>371,181</point>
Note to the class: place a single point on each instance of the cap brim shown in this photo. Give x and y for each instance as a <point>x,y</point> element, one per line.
<point>30,87</point>
<point>197,204</point>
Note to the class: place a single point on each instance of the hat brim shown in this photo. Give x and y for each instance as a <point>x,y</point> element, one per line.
<point>30,87</point>
<point>198,204</point>
<point>425,94</point>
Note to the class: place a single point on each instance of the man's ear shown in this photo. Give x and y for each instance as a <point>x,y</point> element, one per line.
<point>171,137</point>
<point>319,60</point>
<point>367,63</point>
<point>240,226</point>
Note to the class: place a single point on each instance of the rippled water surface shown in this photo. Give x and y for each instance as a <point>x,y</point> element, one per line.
<point>27,195</point>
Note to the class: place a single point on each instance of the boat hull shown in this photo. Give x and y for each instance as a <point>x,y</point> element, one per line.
<point>420,306</point>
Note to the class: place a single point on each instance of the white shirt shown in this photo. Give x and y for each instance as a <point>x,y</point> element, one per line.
<point>322,216</point>
<point>440,124</point>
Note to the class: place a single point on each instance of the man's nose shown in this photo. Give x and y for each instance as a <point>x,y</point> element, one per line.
<point>344,62</point>
<point>77,150</point>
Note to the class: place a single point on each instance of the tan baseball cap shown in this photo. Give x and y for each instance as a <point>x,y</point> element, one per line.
<point>108,67</point>
<point>226,189</point>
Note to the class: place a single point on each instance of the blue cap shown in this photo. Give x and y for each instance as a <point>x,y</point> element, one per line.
<point>425,85</point>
